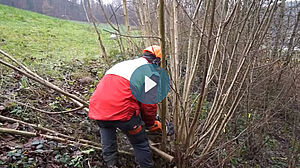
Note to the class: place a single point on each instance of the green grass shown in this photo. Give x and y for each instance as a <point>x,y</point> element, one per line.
<point>43,43</point>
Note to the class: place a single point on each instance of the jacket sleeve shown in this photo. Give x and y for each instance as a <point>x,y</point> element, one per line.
<point>148,113</point>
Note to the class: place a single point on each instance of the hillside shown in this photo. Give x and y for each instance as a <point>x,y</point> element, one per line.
<point>66,54</point>
<point>34,39</point>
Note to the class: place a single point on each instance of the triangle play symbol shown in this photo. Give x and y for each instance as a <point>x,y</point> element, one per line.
<point>149,84</point>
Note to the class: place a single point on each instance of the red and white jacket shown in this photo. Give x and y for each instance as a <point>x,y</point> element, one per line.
<point>113,100</point>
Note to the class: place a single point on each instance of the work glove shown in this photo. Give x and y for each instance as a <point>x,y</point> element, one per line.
<point>156,127</point>
<point>170,128</point>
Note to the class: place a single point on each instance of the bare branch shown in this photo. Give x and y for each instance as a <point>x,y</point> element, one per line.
<point>45,83</point>
<point>98,33</point>
<point>43,111</point>
<point>124,35</point>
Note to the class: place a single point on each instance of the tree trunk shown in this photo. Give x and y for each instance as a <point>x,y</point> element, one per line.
<point>104,54</point>
<point>84,8</point>
<point>175,62</point>
<point>126,20</point>
<point>163,60</point>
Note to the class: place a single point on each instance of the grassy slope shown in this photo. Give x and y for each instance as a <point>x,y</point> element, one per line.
<point>55,48</point>
<point>44,42</point>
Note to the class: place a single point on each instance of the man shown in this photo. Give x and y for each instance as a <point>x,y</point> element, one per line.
<point>113,106</point>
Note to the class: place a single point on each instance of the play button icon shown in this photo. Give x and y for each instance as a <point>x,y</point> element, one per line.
<point>149,84</point>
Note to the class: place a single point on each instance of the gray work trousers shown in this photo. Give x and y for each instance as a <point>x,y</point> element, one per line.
<point>134,129</point>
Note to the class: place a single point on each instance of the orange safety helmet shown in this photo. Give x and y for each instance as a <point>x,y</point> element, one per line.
<point>154,49</point>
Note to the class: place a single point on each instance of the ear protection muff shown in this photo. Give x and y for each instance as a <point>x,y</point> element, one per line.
<point>156,61</point>
<point>152,58</point>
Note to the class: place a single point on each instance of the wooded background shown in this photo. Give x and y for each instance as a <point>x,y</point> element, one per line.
<point>73,9</point>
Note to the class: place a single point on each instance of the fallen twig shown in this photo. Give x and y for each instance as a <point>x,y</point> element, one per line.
<point>43,111</point>
<point>32,134</point>
<point>161,153</point>
<point>79,103</point>
<point>3,118</point>
<point>19,64</point>
<point>73,139</point>
<point>44,82</point>
<point>51,113</point>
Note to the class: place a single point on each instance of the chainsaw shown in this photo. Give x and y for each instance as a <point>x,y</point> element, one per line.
<point>156,129</point>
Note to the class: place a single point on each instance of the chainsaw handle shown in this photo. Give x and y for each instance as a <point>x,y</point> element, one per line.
<point>156,127</point>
